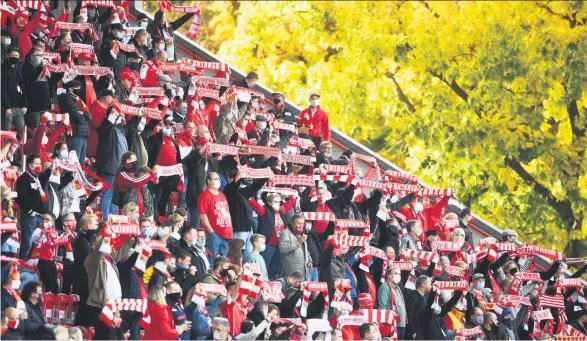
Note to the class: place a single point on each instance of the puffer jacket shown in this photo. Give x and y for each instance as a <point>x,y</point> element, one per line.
<point>295,256</point>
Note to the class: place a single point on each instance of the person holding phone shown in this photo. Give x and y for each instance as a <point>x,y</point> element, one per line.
<point>294,248</point>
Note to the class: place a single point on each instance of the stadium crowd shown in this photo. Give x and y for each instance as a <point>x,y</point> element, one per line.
<point>145,196</point>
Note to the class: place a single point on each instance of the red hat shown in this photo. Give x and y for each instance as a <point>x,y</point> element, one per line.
<point>126,76</point>
<point>201,141</point>
<point>84,56</point>
<point>365,301</point>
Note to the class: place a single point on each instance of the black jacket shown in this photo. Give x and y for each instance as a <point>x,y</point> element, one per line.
<point>196,167</point>
<point>154,148</point>
<point>240,210</point>
<point>185,280</point>
<point>35,328</point>
<point>81,250</point>
<point>468,233</point>
<point>144,51</point>
<point>432,325</point>
<point>106,59</point>
<point>414,304</point>
<point>38,93</point>
<point>80,37</point>
<point>12,81</point>
<point>29,198</point>
<point>79,119</point>
<point>106,160</point>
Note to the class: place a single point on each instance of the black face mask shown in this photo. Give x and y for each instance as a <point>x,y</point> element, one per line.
<point>134,66</point>
<point>224,273</point>
<point>76,91</point>
<point>276,101</point>
<point>12,60</point>
<point>90,233</point>
<point>168,93</point>
<point>508,323</point>
<point>174,298</point>
<point>131,167</point>
<point>513,271</point>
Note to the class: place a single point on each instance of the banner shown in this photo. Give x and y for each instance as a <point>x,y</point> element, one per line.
<point>272,292</point>
<point>153,91</point>
<point>255,173</point>
<point>445,246</point>
<point>212,80</point>
<point>209,93</point>
<point>291,180</point>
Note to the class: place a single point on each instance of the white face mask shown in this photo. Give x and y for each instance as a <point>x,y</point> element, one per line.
<point>7,41</point>
<point>262,125</point>
<point>166,131</point>
<point>161,47</point>
<point>315,102</point>
<point>396,279</point>
<point>64,154</point>
<point>393,199</point>
<point>327,154</point>
<point>216,336</point>
<point>418,207</point>
<point>261,247</point>
<point>216,184</point>
<point>276,207</point>
<point>143,23</point>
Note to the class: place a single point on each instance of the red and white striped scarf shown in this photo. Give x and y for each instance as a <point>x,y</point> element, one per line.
<point>291,180</point>
<point>395,176</point>
<point>250,285</point>
<point>319,216</point>
<point>554,255</point>
<point>128,304</point>
<point>193,65</point>
<point>466,333</point>
<point>196,21</point>
<point>39,186</point>
<point>426,256</point>
<point>315,287</point>
<point>7,226</point>
<point>380,316</point>
<point>171,171</point>
<point>254,173</point>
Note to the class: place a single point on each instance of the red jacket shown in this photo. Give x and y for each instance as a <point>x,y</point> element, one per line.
<point>318,124</point>
<point>162,326</point>
<point>47,245</point>
<point>428,217</point>
<point>98,112</point>
<point>149,72</point>
<point>36,145</point>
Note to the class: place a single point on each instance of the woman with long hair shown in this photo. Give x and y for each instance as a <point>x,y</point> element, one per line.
<point>162,326</point>
<point>235,251</point>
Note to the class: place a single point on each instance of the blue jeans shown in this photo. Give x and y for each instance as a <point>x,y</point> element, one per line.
<point>181,201</point>
<point>246,236</point>
<point>78,144</point>
<point>272,259</point>
<point>401,333</point>
<point>312,275</point>
<point>194,216</point>
<point>217,245</point>
<point>106,202</point>
<point>28,224</point>
<point>26,276</point>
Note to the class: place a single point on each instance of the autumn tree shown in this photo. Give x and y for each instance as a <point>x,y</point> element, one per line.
<point>485,97</point>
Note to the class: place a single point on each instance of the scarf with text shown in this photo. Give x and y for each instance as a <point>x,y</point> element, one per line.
<point>196,21</point>
<point>315,287</point>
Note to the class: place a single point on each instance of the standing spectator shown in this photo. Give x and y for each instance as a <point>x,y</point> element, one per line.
<point>410,240</point>
<point>141,43</point>
<point>94,17</point>
<point>294,249</point>
<point>6,43</point>
<point>79,114</point>
<point>79,36</point>
<point>112,145</point>
<point>98,110</point>
<point>465,218</point>
<point>369,331</point>
<point>221,329</point>
<point>279,101</point>
<point>177,310</point>
<point>127,184</point>
<point>161,28</point>
<point>150,69</point>
<point>258,242</point>
<point>250,81</point>
<point>106,56</point>
<point>235,251</point>
<point>82,248</point>
<point>88,84</point>
<point>215,216</point>
<point>162,326</point>
<point>38,93</point>
<point>325,156</point>
<point>391,296</point>
<point>14,101</point>
<point>415,303</point>
<point>271,226</point>
<point>185,273</point>
<point>32,200</point>
<point>428,216</point>
<point>315,120</point>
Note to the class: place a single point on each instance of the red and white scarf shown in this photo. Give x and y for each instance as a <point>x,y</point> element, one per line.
<point>424,255</point>
<point>320,216</point>
<point>315,287</point>
<point>250,285</point>
<point>196,21</point>
<point>170,171</point>
<point>189,65</point>
<point>38,185</point>
<point>291,180</point>
<point>128,304</point>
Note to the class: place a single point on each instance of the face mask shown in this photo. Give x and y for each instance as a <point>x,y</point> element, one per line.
<point>183,111</point>
<point>42,35</point>
<point>134,66</point>
<point>276,207</point>
<point>200,244</point>
<point>300,230</point>
<point>262,125</point>
<point>480,285</point>
<point>224,273</point>
<point>63,154</point>
<point>145,232</point>
<point>7,42</point>
<point>216,184</point>
<point>143,23</point>
<point>36,62</point>
<point>478,320</point>
<point>534,293</point>
<point>418,207</point>
<point>166,131</point>
<point>174,298</point>
<point>160,234</point>
<point>395,279</point>
<point>327,154</point>
<point>181,267</point>
<point>140,127</point>
<point>262,247</point>
<point>314,103</point>
<point>13,323</point>
<point>118,35</point>
<point>36,170</point>
<point>13,60</point>
<point>216,336</point>
<point>513,271</point>
<point>91,14</point>
<point>276,101</point>
<point>161,47</point>
<point>256,105</point>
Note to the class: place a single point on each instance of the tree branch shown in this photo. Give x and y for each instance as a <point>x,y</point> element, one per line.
<point>572,19</point>
<point>430,9</point>
<point>400,93</point>
<point>453,85</point>
<point>573,111</point>
<point>563,208</point>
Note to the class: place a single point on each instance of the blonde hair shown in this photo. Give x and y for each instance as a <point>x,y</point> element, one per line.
<point>457,236</point>
<point>87,219</point>
<point>461,264</point>
<point>188,297</point>
<point>175,218</point>
<point>272,196</point>
<point>157,294</point>
<point>129,207</point>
